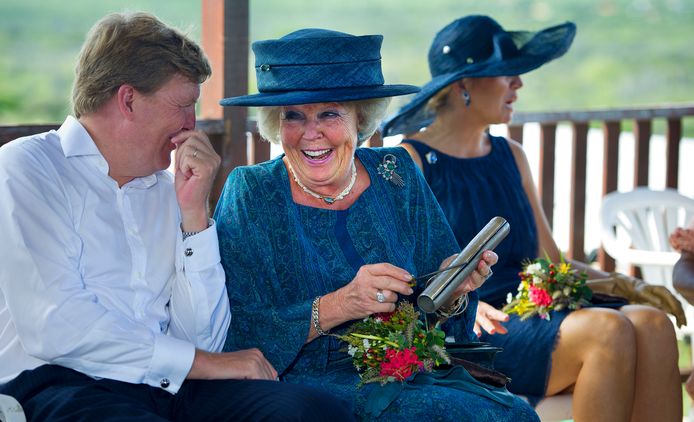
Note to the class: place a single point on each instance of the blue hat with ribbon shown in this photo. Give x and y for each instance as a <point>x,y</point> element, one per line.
<point>318,65</point>
<point>477,46</point>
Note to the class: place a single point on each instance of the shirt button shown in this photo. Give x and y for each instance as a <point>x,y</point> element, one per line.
<point>188,252</point>
<point>165,383</point>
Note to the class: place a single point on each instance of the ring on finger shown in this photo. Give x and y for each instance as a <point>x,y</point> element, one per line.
<point>380,297</point>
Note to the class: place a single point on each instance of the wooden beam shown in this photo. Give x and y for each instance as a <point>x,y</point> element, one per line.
<point>586,116</point>
<point>9,133</point>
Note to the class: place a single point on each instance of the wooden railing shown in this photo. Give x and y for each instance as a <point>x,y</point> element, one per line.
<point>256,150</point>
<point>611,121</point>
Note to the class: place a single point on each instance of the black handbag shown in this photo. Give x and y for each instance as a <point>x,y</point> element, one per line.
<point>481,353</point>
<point>478,360</point>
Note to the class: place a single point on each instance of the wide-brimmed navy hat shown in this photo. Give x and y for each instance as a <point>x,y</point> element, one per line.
<point>477,46</point>
<point>318,65</point>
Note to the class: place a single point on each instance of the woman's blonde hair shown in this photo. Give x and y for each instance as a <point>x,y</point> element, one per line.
<point>136,49</point>
<point>369,114</point>
<point>439,100</point>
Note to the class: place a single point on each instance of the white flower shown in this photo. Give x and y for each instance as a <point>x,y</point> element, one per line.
<point>367,345</point>
<point>351,350</point>
<point>509,297</point>
<point>378,320</point>
<point>534,269</point>
<point>537,280</point>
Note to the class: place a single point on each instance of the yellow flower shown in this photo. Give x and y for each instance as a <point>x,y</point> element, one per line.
<point>564,268</point>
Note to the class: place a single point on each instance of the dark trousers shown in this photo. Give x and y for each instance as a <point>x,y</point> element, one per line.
<point>55,393</point>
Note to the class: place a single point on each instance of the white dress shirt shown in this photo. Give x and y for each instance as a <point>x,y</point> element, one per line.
<point>95,277</point>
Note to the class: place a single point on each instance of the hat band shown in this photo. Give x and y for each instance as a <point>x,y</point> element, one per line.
<point>319,76</point>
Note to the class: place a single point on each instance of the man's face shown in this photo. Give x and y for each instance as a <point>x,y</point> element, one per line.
<point>160,116</point>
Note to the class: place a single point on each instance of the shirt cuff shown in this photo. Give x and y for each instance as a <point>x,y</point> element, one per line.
<point>201,251</point>
<point>171,363</point>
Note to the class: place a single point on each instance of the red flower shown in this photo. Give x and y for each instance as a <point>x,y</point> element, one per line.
<point>539,296</point>
<point>401,364</point>
<point>384,316</point>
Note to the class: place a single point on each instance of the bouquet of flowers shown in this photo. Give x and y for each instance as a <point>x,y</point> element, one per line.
<point>546,286</point>
<point>390,347</point>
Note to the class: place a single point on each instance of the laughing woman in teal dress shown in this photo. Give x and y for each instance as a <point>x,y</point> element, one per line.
<point>328,233</point>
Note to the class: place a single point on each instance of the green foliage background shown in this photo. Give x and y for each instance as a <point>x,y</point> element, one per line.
<point>626,53</point>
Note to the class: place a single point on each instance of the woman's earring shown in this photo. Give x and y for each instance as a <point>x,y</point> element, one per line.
<point>466,97</point>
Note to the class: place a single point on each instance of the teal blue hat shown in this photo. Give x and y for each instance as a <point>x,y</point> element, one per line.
<point>318,65</point>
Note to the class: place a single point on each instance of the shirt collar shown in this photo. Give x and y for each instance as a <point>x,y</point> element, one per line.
<point>76,141</point>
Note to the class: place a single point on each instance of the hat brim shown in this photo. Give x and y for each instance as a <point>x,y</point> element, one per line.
<point>414,115</point>
<point>319,96</point>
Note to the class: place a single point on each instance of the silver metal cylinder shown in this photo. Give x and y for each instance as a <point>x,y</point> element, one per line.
<point>443,285</point>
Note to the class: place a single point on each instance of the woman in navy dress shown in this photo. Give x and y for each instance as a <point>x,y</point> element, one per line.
<point>326,234</point>
<point>620,364</point>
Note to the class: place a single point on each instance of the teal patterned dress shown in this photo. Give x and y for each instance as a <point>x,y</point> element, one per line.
<point>279,255</point>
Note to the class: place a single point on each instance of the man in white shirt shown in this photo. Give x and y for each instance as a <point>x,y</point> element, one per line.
<point>112,298</point>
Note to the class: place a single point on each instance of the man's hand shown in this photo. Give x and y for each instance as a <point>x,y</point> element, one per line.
<point>243,364</point>
<point>196,167</point>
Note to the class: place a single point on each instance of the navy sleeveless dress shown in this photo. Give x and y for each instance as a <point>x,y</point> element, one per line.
<point>471,191</point>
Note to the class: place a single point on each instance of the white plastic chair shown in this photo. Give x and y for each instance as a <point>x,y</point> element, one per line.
<point>635,229</point>
<point>636,226</point>
<point>10,410</point>
<point>555,408</point>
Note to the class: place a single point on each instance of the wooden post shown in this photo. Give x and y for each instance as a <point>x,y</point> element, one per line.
<point>577,218</point>
<point>610,148</point>
<point>515,132</point>
<point>225,30</point>
<point>642,138</point>
<point>545,185</point>
<point>673,136</point>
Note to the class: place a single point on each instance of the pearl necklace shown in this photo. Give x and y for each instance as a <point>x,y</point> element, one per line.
<point>327,199</point>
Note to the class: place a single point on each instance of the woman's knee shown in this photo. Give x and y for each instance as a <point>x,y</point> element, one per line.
<point>649,320</point>
<point>655,333</point>
<point>605,332</point>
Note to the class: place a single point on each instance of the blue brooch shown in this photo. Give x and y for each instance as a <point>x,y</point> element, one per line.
<point>387,170</point>
<point>431,157</point>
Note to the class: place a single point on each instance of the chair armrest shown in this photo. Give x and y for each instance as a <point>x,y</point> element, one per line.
<point>10,410</point>
<point>640,256</point>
